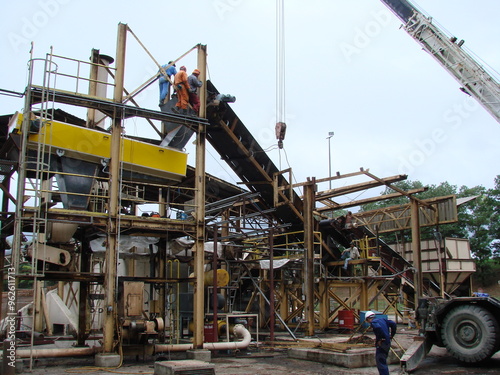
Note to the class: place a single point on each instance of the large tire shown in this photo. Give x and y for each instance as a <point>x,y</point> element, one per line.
<point>470,333</point>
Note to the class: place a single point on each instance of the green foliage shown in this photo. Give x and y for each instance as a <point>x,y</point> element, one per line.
<point>494,228</point>
<point>487,273</point>
<point>25,268</point>
<point>478,219</point>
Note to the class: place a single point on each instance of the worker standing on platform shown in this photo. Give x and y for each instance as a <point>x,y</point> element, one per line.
<point>170,71</point>
<point>194,84</point>
<point>350,254</point>
<point>384,330</point>
<point>182,87</point>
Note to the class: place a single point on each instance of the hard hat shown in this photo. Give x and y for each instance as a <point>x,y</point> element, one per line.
<point>196,71</point>
<point>183,68</point>
<point>369,314</point>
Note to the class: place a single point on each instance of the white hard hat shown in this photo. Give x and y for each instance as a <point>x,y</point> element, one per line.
<point>369,314</point>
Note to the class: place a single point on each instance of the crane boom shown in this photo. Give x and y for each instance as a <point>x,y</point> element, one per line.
<point>475,80</point>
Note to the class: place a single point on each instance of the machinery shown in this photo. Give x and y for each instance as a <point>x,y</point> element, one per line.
<point>468,327</point>
<point>475,80</point>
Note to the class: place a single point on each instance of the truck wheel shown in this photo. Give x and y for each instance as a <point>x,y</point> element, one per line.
<point>470,333</point>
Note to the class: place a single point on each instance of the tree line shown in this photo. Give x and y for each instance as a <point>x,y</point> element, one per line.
<point>478,221</point>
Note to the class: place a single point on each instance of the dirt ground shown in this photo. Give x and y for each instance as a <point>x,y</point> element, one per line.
<point>266,360</point>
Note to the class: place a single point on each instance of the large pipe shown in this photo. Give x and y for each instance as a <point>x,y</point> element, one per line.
<point>239,330</point>
<point>55,353</point>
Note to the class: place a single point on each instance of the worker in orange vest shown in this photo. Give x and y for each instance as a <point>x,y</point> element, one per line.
<point>181,85</point>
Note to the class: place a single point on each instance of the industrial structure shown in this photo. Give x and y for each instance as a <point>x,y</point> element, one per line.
<point>152,255</point>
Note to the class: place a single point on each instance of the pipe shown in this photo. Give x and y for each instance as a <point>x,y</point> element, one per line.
<point>239,330</point>
<point>55,353</point>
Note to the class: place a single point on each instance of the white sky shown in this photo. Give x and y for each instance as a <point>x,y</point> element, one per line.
<point>384,103</point>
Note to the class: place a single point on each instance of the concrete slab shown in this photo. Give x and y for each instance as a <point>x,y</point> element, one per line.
<point>199,354</point>
<point>190,366</point>
<point>352,358</point>
<point>107,360</point>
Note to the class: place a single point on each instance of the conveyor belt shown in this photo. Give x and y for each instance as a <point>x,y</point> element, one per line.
<point>241,151</point>
<point>392,262</point>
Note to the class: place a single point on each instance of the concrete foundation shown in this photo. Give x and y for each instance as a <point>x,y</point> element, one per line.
<point>352,358</point>
<point>7,369</point>
<point>107,360</point>
<point>184,367</point>
<point>199,354</point>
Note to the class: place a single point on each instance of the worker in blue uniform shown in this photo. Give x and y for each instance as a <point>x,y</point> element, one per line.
<point>384,330</point>
<point>170,70</point>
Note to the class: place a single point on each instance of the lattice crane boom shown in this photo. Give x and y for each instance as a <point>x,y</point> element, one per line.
<point>475,80</point>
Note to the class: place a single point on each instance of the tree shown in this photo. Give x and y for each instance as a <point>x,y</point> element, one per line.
<point>494,227</point>
<point>478,219</point>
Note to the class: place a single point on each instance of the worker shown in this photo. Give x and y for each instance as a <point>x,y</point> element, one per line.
<point>480,293</point>
<point>164,80</point>
<point>194,84</point>
<point>384,330</point>
<point>350,253</point>
<point>348,220</point>
<point>182,87</point>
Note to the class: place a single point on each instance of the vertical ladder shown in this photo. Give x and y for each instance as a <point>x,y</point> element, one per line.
<point>237,273</point>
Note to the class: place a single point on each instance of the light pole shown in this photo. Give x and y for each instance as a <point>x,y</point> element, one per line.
<point>330,135</point>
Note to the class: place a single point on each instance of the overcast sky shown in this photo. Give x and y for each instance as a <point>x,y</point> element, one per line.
<point>350,70</point>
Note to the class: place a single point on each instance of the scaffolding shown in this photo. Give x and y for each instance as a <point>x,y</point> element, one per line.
<point>136,247</point>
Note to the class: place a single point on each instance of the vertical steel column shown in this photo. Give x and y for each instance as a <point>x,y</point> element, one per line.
<point>113,230</point>
<point>4,208</point>
<point>363,300</point>
<point>417,255</point>
<point>271,285</point>
<point>215,302</point>
<point>284,305</point>
<point>199,256</point>
<point>83,294</point>
<point>19,208</point>
<point>91,113</point>
<point>202,67</point>
<point>309,201</point>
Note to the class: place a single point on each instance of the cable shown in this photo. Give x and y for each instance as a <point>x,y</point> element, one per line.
<point>222,166</point>
<point>280,74</point>
<point>293,175</point>
<point>280,61</point>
